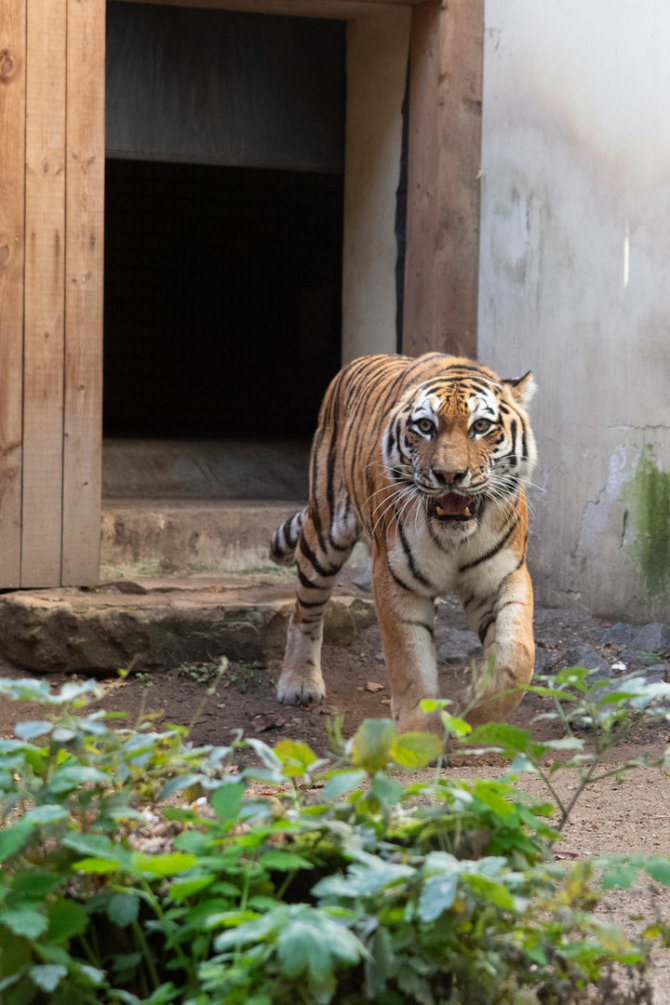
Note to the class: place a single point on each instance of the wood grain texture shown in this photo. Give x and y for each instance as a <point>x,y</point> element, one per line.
<point>442,264</point>
<point>12,244</point>
<point>44,293</point>
<point>341,9</point>
<point>84,222</point>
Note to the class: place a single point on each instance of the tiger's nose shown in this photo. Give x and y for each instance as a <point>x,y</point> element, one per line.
<point>449,477</point>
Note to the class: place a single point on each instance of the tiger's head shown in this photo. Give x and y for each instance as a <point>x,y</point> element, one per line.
<point>460,442</point>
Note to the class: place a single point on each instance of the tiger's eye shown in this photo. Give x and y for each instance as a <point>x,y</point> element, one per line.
<point>425,425</point>
<point>481,426</point>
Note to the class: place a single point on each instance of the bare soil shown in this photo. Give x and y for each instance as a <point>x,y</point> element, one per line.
<point>615,816</point>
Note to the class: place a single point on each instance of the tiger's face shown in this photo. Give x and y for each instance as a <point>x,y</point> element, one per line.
<point>459,444</point>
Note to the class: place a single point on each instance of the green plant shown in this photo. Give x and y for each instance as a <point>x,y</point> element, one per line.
<point>299,879</point>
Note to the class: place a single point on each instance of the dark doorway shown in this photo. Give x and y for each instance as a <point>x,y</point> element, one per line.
<point>222,299</point>
<point>223,221</point>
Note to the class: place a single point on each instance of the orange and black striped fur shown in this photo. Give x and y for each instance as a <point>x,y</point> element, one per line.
<point>426,460</point>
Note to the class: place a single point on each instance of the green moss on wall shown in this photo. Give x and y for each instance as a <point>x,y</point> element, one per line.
<point>647,498</point>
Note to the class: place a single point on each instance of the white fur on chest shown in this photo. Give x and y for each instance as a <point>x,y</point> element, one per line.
<point>434,569</point>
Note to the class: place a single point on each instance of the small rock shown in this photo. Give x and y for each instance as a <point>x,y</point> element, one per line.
<point>620,632</point>
<point>460,647</point>
<point>373,686</point>
<point>635,658</point>
<point>653,638</point>
<point>543,659</point>
<point>582,655</point>
<point>657,674</point>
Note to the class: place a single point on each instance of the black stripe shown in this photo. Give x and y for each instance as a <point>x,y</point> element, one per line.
<point>420,624</point>
<point>410,558</point>
<point>312,603</point>
<point>483,629</point>
<point>492,552</point>
<point>397,579</point>
<point>313,560</point>
<point>308,584</point>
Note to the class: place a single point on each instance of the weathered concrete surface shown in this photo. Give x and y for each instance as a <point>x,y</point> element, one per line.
<point>160,624</point>
<point>157,537</point>
<point>168,537</point>
<point>573,284</point>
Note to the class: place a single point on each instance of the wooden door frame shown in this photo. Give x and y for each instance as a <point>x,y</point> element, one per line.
<point>52,150</point>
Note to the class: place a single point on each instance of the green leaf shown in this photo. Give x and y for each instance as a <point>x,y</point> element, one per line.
<point>90,844</point>
<point>341,782</point>
<point>296,758</point>
<point>499,734</point>
<point>179,891</point>
<point>227,800</point>
<point>178,784</point>
<point>311,941</point>
<point>14,838</point>
<point>97,866</point>
<point>371,748</point>
<point>47,976</point>
<point>46,813</point>
<point>493,891</point>
<point>455,726</point>
<point>574,676</point>
<point>284,861</point>
<point>489,793</point>
<point>33,885</point>
<point>29,729</point>
<point>387,790</point>
<point>24,921</point>
<point>123,909</point>
<point>429,705</point>
<point>438,895</point>
<point>659,869</point>
<point>163,865</point>
<point>416,750</point>
<point>70,776</point>
<point>66,918</point>
<point>621,875</point>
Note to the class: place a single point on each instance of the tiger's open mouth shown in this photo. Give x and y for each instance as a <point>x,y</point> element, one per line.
<point>454,506</point>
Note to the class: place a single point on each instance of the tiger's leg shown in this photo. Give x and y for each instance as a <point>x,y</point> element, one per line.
<point>406,622</point>
<point>504,622</point>
<point>319,557</point>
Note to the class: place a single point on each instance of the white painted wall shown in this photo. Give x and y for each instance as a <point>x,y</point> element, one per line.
<point>575,283</point>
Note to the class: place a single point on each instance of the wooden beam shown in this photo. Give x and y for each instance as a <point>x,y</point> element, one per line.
<point>84,222</point>
<point>442,263</point>
<point>44,293</point>
<point>339,9</point>
<point>12,244</point>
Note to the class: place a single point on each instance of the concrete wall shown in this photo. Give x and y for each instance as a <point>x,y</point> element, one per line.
<point>377,54</point>
<point>575,283</point>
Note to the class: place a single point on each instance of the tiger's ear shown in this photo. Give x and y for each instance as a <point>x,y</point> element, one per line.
<point>522,389</point>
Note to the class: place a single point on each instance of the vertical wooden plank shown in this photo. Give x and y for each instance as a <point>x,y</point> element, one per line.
<point>442,263</point>
<point>83,291</point>
<point>44,293</point>
<point>12,204</point>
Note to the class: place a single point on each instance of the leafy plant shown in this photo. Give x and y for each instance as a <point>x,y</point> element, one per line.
<point>138,868</point>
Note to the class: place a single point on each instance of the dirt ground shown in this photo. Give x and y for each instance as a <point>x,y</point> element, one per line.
<point>616,816</point>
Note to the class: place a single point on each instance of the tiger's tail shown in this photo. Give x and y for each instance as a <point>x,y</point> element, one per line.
<point>285,539</point>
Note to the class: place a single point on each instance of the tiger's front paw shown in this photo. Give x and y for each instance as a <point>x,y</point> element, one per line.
<point>295,690</point>
<point>414,720</point>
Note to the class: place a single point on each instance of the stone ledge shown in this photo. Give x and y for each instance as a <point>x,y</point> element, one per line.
<point>151,625</point>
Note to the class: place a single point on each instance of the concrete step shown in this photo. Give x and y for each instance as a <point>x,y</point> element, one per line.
<point>158,537</point>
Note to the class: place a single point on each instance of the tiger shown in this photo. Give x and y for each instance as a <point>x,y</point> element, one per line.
<point>426,459</point>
